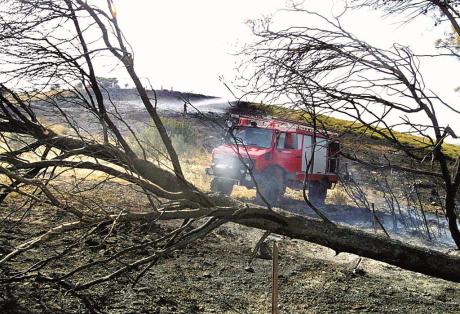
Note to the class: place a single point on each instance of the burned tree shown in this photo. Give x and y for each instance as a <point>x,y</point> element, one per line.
<point>442,11</point>
<point>329,71</point>
<point>46,172</point>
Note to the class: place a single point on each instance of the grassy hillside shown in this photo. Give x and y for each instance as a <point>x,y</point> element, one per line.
<point>348,127</point>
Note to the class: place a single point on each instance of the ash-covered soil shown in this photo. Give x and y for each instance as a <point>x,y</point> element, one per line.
<point>212,276</point>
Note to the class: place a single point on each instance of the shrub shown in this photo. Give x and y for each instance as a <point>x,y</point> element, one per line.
<point>338,197</point>
<point>183,136</point>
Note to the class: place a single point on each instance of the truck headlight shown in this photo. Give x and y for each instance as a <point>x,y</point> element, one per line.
<point>222,160</point>
<point>249,163</point>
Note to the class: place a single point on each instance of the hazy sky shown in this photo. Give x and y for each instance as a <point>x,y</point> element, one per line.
<point>187,45</point>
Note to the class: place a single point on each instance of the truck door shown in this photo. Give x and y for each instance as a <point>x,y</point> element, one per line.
<point>321,149</point>
<point>288,153</point>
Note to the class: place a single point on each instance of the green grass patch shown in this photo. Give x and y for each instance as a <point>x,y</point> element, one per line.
<point>353,128</point>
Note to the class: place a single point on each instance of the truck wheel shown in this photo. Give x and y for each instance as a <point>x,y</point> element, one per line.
<point>317,192</point>
<point>222,186</point>
<point>271,186</point>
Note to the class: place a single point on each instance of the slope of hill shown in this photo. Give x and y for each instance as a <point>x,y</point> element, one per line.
<point>343,126</point>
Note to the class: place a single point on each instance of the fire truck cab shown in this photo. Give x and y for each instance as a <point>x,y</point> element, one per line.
<point>273,154</point>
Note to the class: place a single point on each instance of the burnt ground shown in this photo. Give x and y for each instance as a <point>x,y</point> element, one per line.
<point>211,276</point>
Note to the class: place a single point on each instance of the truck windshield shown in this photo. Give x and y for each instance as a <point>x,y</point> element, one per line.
<point>253,137</point>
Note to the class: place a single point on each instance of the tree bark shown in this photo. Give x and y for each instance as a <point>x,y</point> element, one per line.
<point>345,239</point>
<point>336,237</point>
<point>452,216</point>
<point>339,238</point>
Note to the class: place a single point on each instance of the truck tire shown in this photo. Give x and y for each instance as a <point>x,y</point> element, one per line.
<point>222,186</point>
<point>317,192</point>
<point>271,186</point>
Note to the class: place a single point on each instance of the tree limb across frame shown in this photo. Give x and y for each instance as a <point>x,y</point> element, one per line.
<point>45,58</point>
<point>323,67</point>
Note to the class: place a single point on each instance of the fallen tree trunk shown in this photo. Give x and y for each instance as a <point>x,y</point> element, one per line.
<point>339,238</point>
<point>345,239</point>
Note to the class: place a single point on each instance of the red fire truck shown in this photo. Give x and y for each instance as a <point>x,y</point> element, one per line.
<point>275,154</point>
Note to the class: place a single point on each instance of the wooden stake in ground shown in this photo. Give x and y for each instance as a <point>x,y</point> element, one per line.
<point>275,279</point>
<point>378,221</point>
